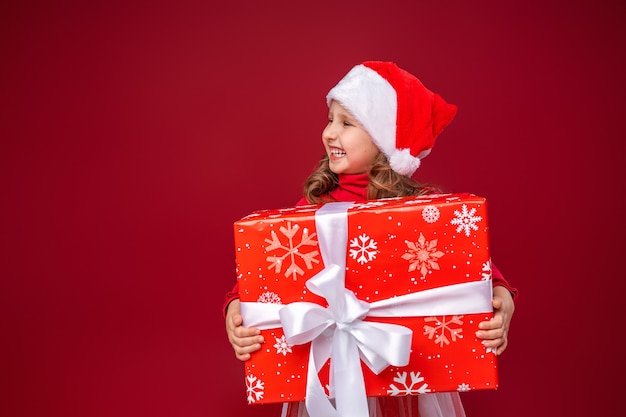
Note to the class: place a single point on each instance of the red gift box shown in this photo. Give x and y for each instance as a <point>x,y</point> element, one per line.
<point>391,253</point>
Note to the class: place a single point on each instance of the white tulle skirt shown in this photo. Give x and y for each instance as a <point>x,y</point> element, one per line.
<point>444,404</point>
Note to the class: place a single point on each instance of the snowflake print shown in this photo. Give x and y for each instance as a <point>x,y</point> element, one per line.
<point>408,388</point>
<point>465,220</point>
<point>492,350</point>
<point>269,297</point>
<point>254,388</point>
<point>422,255</point>
<point>366,249</point>
<point>282,346</point>
<point>292,251</point>
<point>368,204</point>
<point>430,214</point>
<point>420,200</point>
<point>441,328</point>
<point>463,387</point>
<point>486,271</point>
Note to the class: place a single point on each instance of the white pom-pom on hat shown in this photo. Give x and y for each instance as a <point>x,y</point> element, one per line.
<point>401,115</point>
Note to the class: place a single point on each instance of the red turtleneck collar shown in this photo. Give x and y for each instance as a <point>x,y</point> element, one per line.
<point>352,187</point>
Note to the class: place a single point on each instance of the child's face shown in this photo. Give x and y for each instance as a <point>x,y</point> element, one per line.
<point>349,147</point>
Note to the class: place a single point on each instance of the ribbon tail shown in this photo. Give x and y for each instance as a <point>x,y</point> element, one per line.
<point>345,364</point>
<point>316,401</point>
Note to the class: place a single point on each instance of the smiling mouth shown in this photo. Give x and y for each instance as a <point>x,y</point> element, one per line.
<point>337,153</point>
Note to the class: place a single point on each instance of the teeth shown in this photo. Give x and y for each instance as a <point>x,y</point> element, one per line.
<point>337,153</point>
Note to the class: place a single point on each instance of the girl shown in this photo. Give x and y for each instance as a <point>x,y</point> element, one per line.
<point>381,122</point>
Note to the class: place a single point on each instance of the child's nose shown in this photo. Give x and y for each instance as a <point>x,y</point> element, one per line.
<point>330,132</point>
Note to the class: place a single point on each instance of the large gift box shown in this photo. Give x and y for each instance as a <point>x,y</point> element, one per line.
<point>381,298</point>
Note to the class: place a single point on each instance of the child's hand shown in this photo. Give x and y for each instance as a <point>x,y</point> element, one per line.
<point>245,340</point>
<point>494,332</point>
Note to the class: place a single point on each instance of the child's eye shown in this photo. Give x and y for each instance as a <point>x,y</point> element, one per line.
<point>347,124</point>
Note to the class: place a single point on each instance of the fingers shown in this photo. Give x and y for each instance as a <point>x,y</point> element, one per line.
<point>245,340</point>
<point>493,339</point>
<point>502,347</point>
<point>243,347</point>
<point>236,320</point>
<point>493,333</point>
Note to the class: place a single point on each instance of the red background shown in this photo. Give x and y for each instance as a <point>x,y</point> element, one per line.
<point>134,134</point>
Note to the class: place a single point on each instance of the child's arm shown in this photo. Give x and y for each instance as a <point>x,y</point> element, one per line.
<point>245,340</point>
<point>494,332</point>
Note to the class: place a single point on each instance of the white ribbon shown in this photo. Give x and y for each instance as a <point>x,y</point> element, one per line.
<point>338,332</point>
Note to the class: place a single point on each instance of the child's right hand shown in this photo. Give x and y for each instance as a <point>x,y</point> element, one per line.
<point>245,340</point>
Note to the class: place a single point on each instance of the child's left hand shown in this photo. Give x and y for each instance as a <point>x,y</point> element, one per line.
<point>494,332</point>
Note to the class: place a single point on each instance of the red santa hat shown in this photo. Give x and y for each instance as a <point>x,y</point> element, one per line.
<point>401,115</point>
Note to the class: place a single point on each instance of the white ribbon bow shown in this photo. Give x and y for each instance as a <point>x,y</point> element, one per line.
<point>338,332</point>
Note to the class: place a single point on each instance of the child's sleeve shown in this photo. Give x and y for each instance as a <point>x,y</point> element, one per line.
<point>230,296</point>
<point>499,280</point>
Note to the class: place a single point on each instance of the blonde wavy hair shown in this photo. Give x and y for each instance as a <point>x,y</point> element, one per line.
<point>383,183</point>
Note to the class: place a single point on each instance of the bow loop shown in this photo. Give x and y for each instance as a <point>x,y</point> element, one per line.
<point>302,322</point>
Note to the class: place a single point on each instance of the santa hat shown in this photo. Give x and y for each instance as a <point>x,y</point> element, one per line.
<point>401,115</point>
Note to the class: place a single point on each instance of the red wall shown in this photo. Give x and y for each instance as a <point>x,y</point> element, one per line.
<point>132,136</point>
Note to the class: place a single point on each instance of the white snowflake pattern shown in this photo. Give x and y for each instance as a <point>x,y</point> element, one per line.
<point>292,251</point>
<point>369,204</point>
<point>422,255</point>
<point>466,220</point>
<point>408,388</point>
<point>430,214</point>
<point>366,249</point>
<point>255,388</point>
<point>269,297</point>
<point>420,200</point>
<point>491,350</point>
<point>282,346</point>
<point>463,387</point>
<point>442,327</point>
<point>487,273</point>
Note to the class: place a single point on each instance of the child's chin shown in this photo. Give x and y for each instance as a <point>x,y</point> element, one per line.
<point>336,170</point>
